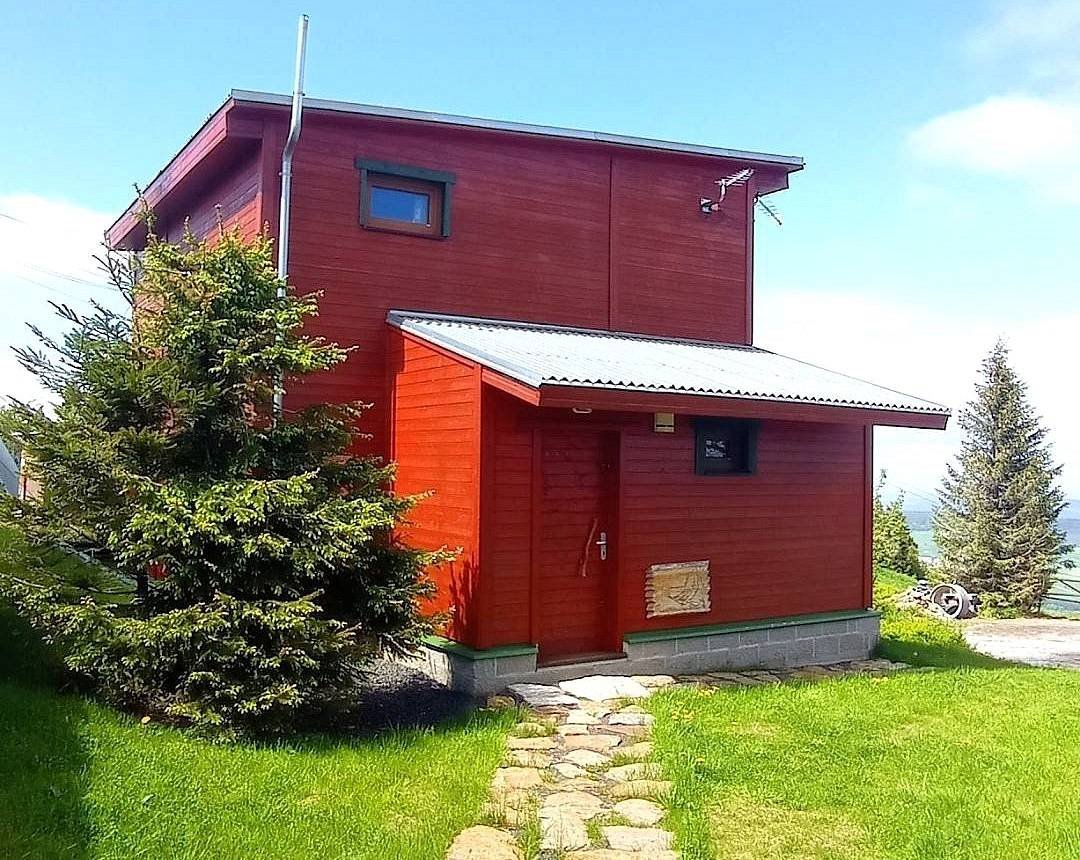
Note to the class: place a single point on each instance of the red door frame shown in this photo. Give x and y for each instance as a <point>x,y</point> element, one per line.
<point>613,628</point>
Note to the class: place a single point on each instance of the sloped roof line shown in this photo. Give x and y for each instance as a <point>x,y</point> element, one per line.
<point>791,162</point>
<point>543,354</point>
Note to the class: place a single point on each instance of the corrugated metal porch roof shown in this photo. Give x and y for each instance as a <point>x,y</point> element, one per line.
<point>539,355</point>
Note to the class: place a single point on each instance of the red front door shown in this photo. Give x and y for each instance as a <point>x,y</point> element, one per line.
<point>575,552</point>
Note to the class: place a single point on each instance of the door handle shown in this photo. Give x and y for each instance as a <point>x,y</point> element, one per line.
<point>602,543</point>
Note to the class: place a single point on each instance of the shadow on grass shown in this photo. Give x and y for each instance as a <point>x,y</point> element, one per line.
<point>45,762</point>
<point>949,656</point>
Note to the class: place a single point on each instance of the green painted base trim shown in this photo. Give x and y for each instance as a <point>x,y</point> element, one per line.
<point>744,626</point>
<point>449,646</point>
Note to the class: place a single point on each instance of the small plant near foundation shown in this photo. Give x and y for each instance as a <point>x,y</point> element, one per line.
<point>494,815</point>
<point>621,758</point>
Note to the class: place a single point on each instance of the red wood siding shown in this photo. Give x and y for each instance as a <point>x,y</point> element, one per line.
<point>435,409</point>
<point>785,541</point>
<point>235,191</point>
<point>528,239</point>
<point>674,271</point>
<point>554,231</point>
<point>558,231</point>
<point>508,504</point>
<point>788,540</point>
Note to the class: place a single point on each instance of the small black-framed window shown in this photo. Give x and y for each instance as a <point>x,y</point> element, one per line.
<point>404,199</point>
<point>725,446</point>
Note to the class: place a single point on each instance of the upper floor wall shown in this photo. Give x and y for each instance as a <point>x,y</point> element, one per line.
<point>545,226</point>
<point>541,230</point>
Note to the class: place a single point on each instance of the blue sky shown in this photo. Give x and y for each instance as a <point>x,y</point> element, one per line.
<point>940,206</point>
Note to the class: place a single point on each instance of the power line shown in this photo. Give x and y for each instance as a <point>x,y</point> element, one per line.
<point>73,278</point>
<point>907,492</point>
<point>51,289</point>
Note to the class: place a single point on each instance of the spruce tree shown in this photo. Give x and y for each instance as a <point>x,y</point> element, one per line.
<point>253,563</point>
<point>894,547</point>
<point>996,524</point>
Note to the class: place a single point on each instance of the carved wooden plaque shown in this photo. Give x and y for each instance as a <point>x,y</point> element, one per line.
<point>676,589</point>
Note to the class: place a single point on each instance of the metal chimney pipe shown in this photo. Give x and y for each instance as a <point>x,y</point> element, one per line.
<point>286,180</point>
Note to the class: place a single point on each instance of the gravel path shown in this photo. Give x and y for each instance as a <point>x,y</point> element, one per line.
<point>1035,641</point>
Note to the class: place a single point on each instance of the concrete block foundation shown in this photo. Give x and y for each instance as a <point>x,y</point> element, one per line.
<point>775,643</point>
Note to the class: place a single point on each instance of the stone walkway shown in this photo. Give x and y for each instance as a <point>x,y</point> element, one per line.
<point>579,781</point>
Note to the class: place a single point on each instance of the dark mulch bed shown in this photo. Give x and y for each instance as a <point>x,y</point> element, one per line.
<point>398,696</point>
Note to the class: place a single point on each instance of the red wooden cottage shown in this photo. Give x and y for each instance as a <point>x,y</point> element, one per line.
<point>556,329</point>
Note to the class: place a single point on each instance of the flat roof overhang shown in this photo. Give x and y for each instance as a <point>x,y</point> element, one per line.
<point>786,162</point>
<point>225,136</point>
<point>616,400</point>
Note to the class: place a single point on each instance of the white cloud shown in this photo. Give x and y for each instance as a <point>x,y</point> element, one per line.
<point>925,352</point>
<point>1031,132</point>
<point>1006,134</point>
<point>1023,26</point>
<point>46,253</point>
<point>1017,136</point>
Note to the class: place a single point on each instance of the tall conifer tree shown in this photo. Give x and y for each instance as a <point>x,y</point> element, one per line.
<point>999,504</point>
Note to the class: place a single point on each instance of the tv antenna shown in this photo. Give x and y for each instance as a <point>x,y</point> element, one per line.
<point>710,205</point>
<point>769,210</point>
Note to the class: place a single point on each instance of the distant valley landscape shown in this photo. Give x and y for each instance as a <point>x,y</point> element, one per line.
<point>1062,597</point>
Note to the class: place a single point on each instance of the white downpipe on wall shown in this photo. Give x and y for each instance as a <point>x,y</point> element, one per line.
<point>286,181</point>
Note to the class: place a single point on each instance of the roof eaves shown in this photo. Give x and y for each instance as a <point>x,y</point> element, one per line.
<point>791,162</point>
<point>150,193</point>
<point>747,395</point>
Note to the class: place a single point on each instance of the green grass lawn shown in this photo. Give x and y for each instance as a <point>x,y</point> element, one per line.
<point>970,758</point>
<point>78,780</point>
<point>973,760</point>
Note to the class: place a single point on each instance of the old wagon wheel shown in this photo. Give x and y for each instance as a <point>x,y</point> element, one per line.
<point>954,600</point>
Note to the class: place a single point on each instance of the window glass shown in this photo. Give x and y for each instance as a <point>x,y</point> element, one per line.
<point>724,447</point>
<point>395,204</point>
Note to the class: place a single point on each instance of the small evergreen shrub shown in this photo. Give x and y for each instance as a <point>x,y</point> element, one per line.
<point>253,564</point>
<point>894,547</point>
